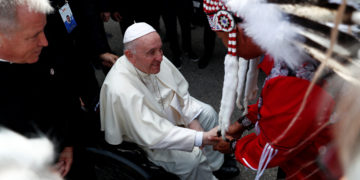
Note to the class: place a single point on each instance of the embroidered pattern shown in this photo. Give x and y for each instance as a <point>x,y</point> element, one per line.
<point>221,20</point>
<point>306,71</point>
<point>225,21</point>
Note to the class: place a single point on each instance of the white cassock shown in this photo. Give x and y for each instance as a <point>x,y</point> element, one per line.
<point>148,110</point>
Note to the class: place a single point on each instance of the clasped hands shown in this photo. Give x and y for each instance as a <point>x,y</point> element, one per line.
<point>212,138</point>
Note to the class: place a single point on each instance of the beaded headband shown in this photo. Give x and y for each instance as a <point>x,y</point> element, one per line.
<point>220,19</point>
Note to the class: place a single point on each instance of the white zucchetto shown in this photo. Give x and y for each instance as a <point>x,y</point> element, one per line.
<point>137,30</point>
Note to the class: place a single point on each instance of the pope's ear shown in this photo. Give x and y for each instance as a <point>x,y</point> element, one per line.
<point>129,55</point>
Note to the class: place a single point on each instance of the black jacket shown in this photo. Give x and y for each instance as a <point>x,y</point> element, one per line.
<point>34,102</point>
<point>41,98</point>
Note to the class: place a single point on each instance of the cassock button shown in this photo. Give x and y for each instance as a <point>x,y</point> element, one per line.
<point>52,71</point>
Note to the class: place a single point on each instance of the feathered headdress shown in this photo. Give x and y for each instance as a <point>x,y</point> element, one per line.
<point>24,158</point>
<point>292,31</point>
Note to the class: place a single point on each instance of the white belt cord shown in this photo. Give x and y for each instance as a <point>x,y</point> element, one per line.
<point>266,156</point>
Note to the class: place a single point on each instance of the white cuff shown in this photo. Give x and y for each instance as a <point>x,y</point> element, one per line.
<point>198,138</point>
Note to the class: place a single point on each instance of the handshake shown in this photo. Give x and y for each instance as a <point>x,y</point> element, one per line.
<point>213,137</point>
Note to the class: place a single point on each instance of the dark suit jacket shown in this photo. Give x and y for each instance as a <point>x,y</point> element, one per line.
<point>41,98</point>
<point>34,102</point>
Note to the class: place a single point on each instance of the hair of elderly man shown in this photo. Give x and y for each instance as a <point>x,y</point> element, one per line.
<point>8,11</point>
<point>131,46</point>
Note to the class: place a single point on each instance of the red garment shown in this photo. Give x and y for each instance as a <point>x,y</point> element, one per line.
<point>267,64</point>
<point>281,99</point>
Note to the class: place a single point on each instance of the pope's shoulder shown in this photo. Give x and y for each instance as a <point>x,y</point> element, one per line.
<point>119,76</point>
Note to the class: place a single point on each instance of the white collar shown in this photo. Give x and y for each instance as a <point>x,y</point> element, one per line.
<point>2,60</point>
<point>142,74</point>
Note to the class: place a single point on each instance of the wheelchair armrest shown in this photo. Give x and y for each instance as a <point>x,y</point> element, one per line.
<point>110,165</point>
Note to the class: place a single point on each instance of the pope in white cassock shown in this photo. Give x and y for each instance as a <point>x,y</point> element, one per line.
<point>145,100</point>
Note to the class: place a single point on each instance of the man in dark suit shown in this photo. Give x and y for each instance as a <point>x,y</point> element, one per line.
<point>72,56</point>
<point>34,97</point>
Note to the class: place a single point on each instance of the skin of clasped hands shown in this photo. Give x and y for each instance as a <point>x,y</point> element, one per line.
<point>234,132</point>
<point>195,125</point>
<point>209,137</point>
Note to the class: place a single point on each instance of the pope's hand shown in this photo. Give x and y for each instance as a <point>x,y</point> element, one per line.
<point>207,136</point>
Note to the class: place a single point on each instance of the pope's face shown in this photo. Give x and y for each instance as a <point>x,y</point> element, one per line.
<point>245,47</point>
<point>148,55</point>
<point>25,43</point>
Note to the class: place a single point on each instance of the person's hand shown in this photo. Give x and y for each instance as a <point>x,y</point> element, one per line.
<point>116,16</point>
<point>65,161</point>
<point>207,136</point>
<point>222,145</point>
<point>105,16</point>
<point>235,130</point>
<point>108,59</point>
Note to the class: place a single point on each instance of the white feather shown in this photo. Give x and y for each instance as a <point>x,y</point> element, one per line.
<point>228,92</point>
<point>324,41</point>
<point>243,66</point>
<point>268,27</point>
<point>354,3</point>
<point>356,17</point>
<point>23,158</point>
<point>315,13</point>
<point>251,83</point>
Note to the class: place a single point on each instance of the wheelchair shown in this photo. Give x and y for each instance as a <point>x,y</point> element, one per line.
<point>126,161</point>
